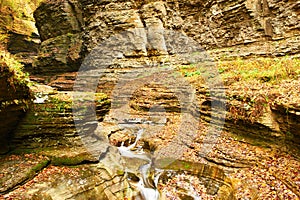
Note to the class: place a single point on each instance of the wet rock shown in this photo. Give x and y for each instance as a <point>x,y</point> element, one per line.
<point>121,137</point>
<point>213,178</point>
<point>48,130</point>
<point>68,156</point>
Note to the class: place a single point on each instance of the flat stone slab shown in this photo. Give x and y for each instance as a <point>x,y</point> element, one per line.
<point>17,169</point>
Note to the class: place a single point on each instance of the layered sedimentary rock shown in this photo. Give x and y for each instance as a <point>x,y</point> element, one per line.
<point>19,35</point>
<point>60,27</point>
<point>227,28</point>
<point>70,30</point>
<point>49,121</point>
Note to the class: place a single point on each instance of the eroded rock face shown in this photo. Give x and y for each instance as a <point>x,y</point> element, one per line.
<point>243,25</point>
<point>60,25</point>
<point>213,178</point>
<point>49,122</point>
<point>49,136</point>
<point>59,54</point>
<point>228,28</point>
<point>19,36</point>
<point>58,18</point>
<point>53,182</point>
<point>67,35</point>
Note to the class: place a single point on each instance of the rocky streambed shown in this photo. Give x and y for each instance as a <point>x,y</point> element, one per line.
<point>156,148</point>
<point>48,162</point>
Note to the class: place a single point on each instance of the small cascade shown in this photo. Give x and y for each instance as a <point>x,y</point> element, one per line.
<point>147,185</point>
<point>130,153</point>
<point>144,172</point>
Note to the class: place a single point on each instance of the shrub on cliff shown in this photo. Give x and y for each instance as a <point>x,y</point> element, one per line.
<point>12,74</point>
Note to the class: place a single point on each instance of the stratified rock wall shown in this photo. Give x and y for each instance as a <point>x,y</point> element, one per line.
<point>214,24</point>
<point>60,25</point>
<point>227,28</point>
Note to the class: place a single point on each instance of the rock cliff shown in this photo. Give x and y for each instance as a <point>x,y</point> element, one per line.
<point>18,46</point>
<point>228,29</point>
<point>248,156</point>
<point>19,35</point>
<point>70,30</point>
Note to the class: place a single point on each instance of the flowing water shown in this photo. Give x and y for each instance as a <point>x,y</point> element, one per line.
<point>144,172</point>
<point>147,185</point>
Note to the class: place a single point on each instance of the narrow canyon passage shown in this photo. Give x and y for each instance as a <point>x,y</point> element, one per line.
<point>149,100</point>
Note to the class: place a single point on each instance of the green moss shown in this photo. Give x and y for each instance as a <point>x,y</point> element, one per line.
<point>187,166</point>
<point>22,151</point>
<point>21,8</point>
<point>16,80</point>
<point>193,73</point>
<point>60,105</point>
<point>13,70</point>
<point>102,99</point>
<point>70,35</point>
<point>272,70</point>
<point>67,160</point>
<point>120,172</point>
<point>289,135</point>
<point>54,104</point>
<point>38,167</point>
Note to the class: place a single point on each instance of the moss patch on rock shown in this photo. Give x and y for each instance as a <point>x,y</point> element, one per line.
<point>21,167</point>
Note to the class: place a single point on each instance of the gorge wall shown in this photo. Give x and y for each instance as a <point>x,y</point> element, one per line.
<point>14,98</point>
<point>70,30</point>
<point>228,29</point>
<point>19,44</point>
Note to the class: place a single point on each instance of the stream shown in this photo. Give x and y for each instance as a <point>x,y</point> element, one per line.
<point>147,175</point>
<point>144,171</point>
<point>146,184</point>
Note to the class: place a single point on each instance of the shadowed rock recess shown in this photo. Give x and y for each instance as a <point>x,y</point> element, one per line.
<point>14,98</point>
<point>65,147</point>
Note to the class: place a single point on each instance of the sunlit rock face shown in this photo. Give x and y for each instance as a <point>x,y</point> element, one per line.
<point>69,30</point>
<point>243,28</point>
